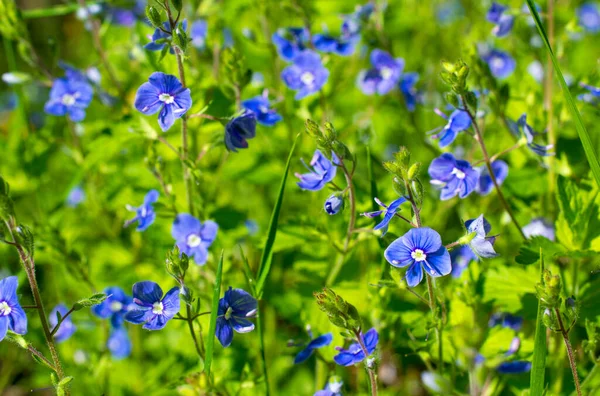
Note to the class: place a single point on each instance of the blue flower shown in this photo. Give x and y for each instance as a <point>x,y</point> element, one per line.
<point>235,308</point>
<point>390,212</point>
<point>239,130</point>
<point>91,76</point>
<point>540,227</point>
<point>461,257</point>
<point>159,38</point>
<point>449,12</point>
<point>384,74</point>
<point>455,177</point>
<point>419,248</point>
<point>514,367</point>
<point>144,214</point>
<point>334,204</point>
<point>151,308</point>
<point>116,305</point>
<point>163,94</point>
<point>501,64</point>
<point>75,197</point>
<point>259,105</point>
<point>333,388</point>
<point>458,121</point>
<point>485,185</point>
<point>198,32</point>
<point>354,354</point>
<point>251,226</point>
<point>306,75</point>
<point>70,97</point>
<point>481,244</point>
<point>412,96</point>
<point>589,17</point>
<point>192,237</point>
<point>344,45</point>
<point>67,328</point>
<point>119,343</point>
<point>318,342</point>
<point>521,127</point>
<point>506,320</point>
<point>12,316</point>
<point>290,42</point>
<point>504,21</point>
<point>592,96</point>
<point>322,172</point>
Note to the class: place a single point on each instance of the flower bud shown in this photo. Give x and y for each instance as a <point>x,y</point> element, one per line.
<point>334,204</point>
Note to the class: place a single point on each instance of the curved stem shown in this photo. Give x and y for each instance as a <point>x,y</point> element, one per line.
<point>572,361</point>
<point>372,378</point>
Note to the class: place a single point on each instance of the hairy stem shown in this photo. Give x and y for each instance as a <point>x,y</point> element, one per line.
<point>572,363</point>
<point>371,373</point>
<point>190,322</point>
<point>62,319</point>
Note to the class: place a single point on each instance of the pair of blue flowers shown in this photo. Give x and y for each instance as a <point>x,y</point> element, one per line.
<point>115,308</point>
<point>322,171</point>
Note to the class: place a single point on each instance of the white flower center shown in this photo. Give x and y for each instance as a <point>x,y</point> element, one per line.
<point>193,240</point>
<point>386,73</point>
<point>5,310</point>
<point>307,78</point>
<point>497,63</point>
<point>458,173</point>
<point>157,308</point>
<point>68,100</point>
<point>418,255</point>
<point>263,109</point>
<point>165,97</point>
<point>228,313</point>
<point>144,212</point>
<point>116,306</point>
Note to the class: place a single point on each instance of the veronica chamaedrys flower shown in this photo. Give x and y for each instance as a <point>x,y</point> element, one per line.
<point>334,204</point>
<point>485,184</point>
<point>501,64</point>
<point>150,307</point>
<point>323,171</point>
<point>514,367</point>
<point>192,237</point>
<point>159,38</point>
<point>461,257</point>
<point>75,197</point>
<point>481,244</point>
<point>290,42</point>
<point>119,343</point>
<point>419,249</point>
<point>239,130</point>
<point>69,97</point>
<point>306,74</point>
<point>388,213</point>
<point>522,128</point>
<point>116,305</point>
<point>540,227</point>
<point>260,106</point>
<point>163,94</point>
<point>458,121</point>
<point>588,16</point>
<point>343,45</point>
<point>67,328</point>
<point>384,74</point>
<point>412,96</point>
<point>333,388</point>
<point>354,354</point>
<point>504,21</point>
<point>506,320</point>
<point>455,177</point>
<point>198,32</point>
<point>592,96</point>
<point>12,316</point>
<point>235,308</point>
<point>144,214</point>
<point>319,342</point>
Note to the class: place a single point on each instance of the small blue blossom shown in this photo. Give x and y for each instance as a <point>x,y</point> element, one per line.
<point>119,343</point>
<point>163,94</point>
<point>251,226</point>
<point>144,214</point>
<point>419,249</point>
<point>522,128</point>
<point>354,354</point>
<point>227,38</point>
<point>235,308</point>
<point>501,64</point>
<point>461,258</point>
<point>8,101</point>
<point>343,45</point>
<point>485,185</point>
<point>67,328</point>
<point>76,196</point>
<point>514,367</point>
<point>198,32</point>
<point>260,106</point>
<point>589,17</point>
<point>384,74</point>
<point>592,96</point>
<point>334,204</point>
<point>333,388</point>
<point>69,97</point>
<point>12,316</point>
<point>454,177</point>
<point>290,42</point>
<point>159,38</point>
<point>506,320</point>
<point>319,342</point>
<point>536,70</point>
<point>482,245</point>
<point>412,96</point>
<point>91,76</point>
<point>239,130</point>
<point>116,305</point>
<point>323,171</point>
<point>151,308</point>
<point>503,20</point>
<point>306,75</point>
<point>192,237</point>
<point>458,121</point>
<point>540,227</point>
<point>390,212</point>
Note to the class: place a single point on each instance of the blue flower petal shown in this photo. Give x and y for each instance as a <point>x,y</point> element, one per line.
<point>119,343</point>
<point>303,355</point>
<point>438,263</point>
<point>3,327</point>
<point>370,339</point>
<point>147,293</point>
<point>224,332</point>
<point>414,275</point>
<point>171,304</point>
<point>321,341</point>
<point>184,225</point>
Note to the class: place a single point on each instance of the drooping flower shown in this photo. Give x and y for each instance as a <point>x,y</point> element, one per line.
<point>503,20</point>
<point>160,38</point>
<point>592,96</point>
<point>384,74</point>
<point>501,64</point>
<point>485,184</point>
<point>75,197</point>
<point>454,177</point>
<point>306,75</point>
<point>390,212</point>
<point>119,343</point>
<point>419,249</point>
<point>354,354</point>
<point>67,328</point>
<point>540,227</point>
<point>514,367</point>
<point>163,94</point>
<point>235,308</point>
<point>198,32</point>
<point>506,320</point>
<point>481,244</point>
<point>316,343</point>
<point>144,214</point>
<point>461,257</point>
<point>116,305</point>
<point>334,204</point>
<point>12,316</point>
<point>522,128</point>
<point>458,121</point>
<point>323,171</point>
<point>333,388</point>
<point>260,106</point>
<point>239,130</point>
<point>589,17</point>
<point>290,42</point>
<point>192,237</point>
<point>69,97</point>
<point>151,308</point>
<point>412,96</point>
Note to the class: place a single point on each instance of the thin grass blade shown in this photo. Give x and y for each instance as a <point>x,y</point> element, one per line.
<point>538,368</point>
<point>210,342</point>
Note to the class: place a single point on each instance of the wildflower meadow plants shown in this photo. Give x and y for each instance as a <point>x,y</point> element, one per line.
<point>299,198</point>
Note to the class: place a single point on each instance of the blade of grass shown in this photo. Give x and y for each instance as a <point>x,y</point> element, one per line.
<point>586,141</point>
<point>53,11</point>
<point>210,342</point>
<point>261,338</point>
<point>248,272</point>
<point>538,367</point>
<point>267,254</point>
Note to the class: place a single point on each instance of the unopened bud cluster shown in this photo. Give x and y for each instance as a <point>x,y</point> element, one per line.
<point>340,313</point>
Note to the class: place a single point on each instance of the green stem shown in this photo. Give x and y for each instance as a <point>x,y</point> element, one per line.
<point>261,339</point>
<point>570,354</point>
<point>62,319</point>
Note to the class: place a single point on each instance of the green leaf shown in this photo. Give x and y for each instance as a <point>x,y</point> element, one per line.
<point>267,254</point>
<point>586,141</point>
<point>248,271</point>
<point>210,342</point>
<point>89,302</point>
<point>529,252</point>
<point>538,368</point>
